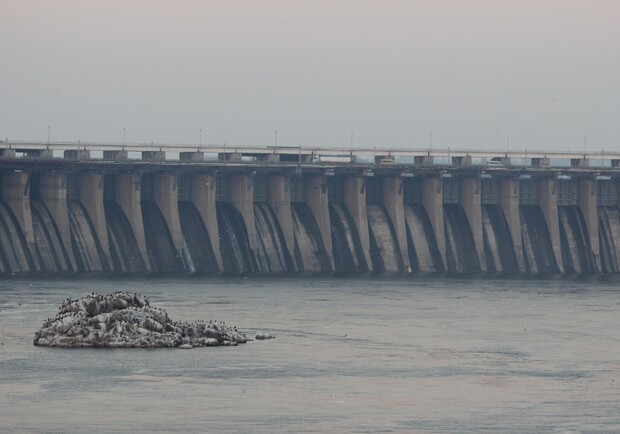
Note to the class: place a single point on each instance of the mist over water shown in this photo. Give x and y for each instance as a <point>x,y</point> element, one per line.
<point>351,355</point>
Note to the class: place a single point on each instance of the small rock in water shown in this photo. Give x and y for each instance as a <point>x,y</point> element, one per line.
<point>126,320</point>
<point>186,347</point>
<point>261,336</point>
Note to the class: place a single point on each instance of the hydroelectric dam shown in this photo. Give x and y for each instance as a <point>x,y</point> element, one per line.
<point>121,208</point>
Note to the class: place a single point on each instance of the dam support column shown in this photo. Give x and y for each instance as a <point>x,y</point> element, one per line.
<point>588,206</point>
<point>165,196</point>
<point>53,193</point>
<point>355,200</point>
<point>127,195</point>
<point>279,199</point>
<point>393,201</point>
<point>90,194</point>
<point>203,198</point>
<point>242,198</point>
<point>318,202</point>
<point>16,194</point>
<point>548,202</point>
<point>432,200</point>
<point>509,202</point>
<point>469,193</point>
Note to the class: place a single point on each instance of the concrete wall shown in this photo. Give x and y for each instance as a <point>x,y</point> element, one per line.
<point>393,201</point>
<point>203,198</point>
<point>16,194</point>
<point>469,194</point>
<point>279,199</point>
<point>318,201</point>
<point>355,200</point>
<point>90,195</point>
<point>165,196</point>
<point>241,191</point>
<point>127,195</point>
<point>548,202</point>
<point>53,194</point>
<point>509,202</point>
<point>588,206</point>
<point>432,200</point>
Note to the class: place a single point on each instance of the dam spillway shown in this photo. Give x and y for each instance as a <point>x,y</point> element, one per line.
<point>290,213</point>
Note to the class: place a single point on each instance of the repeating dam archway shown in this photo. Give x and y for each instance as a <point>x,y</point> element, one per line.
<point>240,223</point>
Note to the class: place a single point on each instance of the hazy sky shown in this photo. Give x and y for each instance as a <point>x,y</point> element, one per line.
<point>469,72</point>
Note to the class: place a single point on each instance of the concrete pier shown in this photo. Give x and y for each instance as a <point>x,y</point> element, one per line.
<point>548,202</point>
<point>90,195</point>
<point>241,190</point>
<point>393,201</point>
<point>279,199</point>
<point>588,206</point>
<point>203,198</point>
<point>318,202</point>
<point>509,202</point>
<point>165,196</point>
<point>127,195</point>
<point>53,194</point>
<point>16,194</point>
<point>469,195</point>
<point>432,200</point>
<point>355,200</point>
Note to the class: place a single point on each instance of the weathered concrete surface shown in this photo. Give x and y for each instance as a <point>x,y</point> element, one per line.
<point>548,202</point>
<point>393,202</point>
<point>279,199</point>
<point>355,200</point>
<point>203,198</point>
<point>127,195</point>
<point>318,201</point>
<point>432,200</point>
<point>509,202</point>
<point>588,206</point>
<point>469,195</point>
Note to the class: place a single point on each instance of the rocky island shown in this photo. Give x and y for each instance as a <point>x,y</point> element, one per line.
<point>127,320</point>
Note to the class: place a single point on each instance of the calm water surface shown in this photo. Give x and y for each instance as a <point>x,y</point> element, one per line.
<point>358,355</point>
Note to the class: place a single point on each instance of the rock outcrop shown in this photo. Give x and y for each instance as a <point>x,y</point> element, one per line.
<point>126,320</point>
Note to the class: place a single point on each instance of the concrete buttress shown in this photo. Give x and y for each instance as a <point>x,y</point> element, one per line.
<point>469,194</point>
<point>588,206</point>
<point>203,198</point>
<point>548,202</point>
<point>393,201</point>
<point>316,192</point>
<point>16,194</point>
<point>90,194</point>
<point>53,194</point>
<point>355,200</point>
<point>432,200</point>
<point>165,196</point>
<point>509,202</point>
<point>241,193</point>
<point>127,195</point>
<point>279,199</point>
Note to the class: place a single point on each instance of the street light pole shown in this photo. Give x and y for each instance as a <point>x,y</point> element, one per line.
<point>123,136</point>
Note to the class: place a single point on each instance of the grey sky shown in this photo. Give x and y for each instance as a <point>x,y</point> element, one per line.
<point>545,73</point>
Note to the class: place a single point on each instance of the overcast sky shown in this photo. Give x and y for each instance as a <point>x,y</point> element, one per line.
<point>464,74</point>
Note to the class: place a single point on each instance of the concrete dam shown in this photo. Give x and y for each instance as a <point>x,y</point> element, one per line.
<point>306,211</point>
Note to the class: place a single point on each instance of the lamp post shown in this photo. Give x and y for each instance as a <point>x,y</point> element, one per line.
<point>200,139</point>
<point>123,136</point>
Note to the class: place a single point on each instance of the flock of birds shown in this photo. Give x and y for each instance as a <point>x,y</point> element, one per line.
<point>124,319</point>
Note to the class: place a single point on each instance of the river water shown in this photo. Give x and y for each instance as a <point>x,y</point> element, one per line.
<point>351,355</point>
